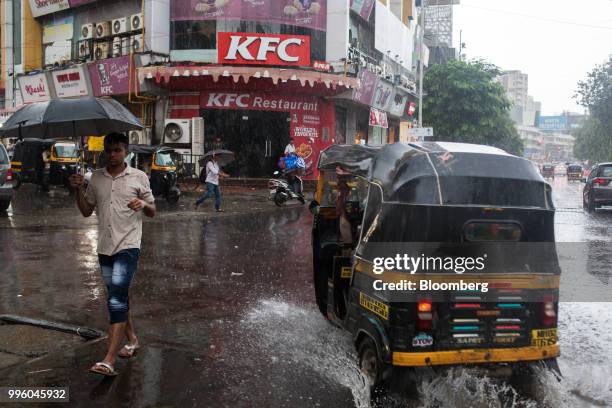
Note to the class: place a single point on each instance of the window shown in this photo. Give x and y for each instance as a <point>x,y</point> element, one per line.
<point>193,35</point>
<point>605,171</point>
<point>66,151</point>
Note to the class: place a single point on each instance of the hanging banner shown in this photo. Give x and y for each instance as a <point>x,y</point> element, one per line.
<point>378,118</point>
<point>42,7</point>
<point>397,104</point>
<point>70,82</point>
<point>382,94</point>
<point>367,84</point>
<point>34,88</point>
<point>363,8</point>
<point>301,13</point>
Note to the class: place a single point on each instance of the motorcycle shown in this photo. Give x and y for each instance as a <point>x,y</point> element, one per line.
<point>280,190</point>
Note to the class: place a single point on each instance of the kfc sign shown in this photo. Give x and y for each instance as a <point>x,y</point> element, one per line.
<point>263,49</point>
<point>267,102</point>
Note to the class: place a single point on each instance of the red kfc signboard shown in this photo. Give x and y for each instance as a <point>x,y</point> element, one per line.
<point>263,49</point>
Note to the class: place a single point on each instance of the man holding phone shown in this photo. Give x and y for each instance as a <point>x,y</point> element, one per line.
<point>120,194</point>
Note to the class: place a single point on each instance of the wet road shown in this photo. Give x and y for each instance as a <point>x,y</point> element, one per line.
<point>225,309</point>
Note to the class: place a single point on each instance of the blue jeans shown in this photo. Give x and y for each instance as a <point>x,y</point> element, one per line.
<point>117,273</point>
<point>211,190</point>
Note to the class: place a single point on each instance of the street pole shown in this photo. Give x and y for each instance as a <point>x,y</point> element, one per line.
<point>422,40</point>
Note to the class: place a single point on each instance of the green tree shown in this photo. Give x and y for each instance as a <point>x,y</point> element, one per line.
<point>464,104</point>
<point>594,138</point>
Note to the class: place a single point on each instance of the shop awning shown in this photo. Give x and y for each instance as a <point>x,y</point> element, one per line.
<point>164,76</point>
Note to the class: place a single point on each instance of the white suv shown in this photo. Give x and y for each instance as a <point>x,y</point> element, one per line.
<point>6,188</point>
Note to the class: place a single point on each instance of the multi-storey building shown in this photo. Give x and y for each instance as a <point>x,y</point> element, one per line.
<point>245,75</point>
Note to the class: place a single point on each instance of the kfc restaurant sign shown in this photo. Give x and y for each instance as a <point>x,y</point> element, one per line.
<point>34,88</point>
<point>263,49</point>
<point>70,82</point>
<point>249,101</point>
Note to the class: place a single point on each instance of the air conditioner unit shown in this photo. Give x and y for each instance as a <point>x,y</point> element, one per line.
<point>137,43</point>
<point>136,137</point>
<point>177,131</point>
<point>120,25</point>
<point>126,45</point>
<point>136,22</point>
<point>87,31</point>
<point>101,50</point>
<point>116,47</point>
<point>84,49</point>
<point>103,29</point>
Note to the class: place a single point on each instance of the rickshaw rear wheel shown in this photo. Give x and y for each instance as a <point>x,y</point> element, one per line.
<point>370,363</point>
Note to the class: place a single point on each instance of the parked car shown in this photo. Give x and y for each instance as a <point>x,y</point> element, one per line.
<point>598,188</point>
<point>6,187</point>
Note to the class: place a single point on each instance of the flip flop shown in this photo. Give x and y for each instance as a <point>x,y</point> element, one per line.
<point>130,350</point>
<point>104,369</point>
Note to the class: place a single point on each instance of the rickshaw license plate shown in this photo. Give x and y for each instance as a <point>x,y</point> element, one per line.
<point>544,337</point>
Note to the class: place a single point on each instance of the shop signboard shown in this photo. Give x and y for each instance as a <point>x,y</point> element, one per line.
<point>378,118</point>
<point>263,49</point>
<point>110,76</point>
<point>256,101</point>
<point>552,123</point>
<point>397,104</point>
<point>302,13</point>
<point>70,82</point>
<point>42,7</point>
<point>34,88</point>
<point>367,84</point>
<point>382,94</point>
<point>363,8</point>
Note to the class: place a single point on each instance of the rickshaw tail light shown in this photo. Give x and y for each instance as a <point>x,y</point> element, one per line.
<point>549,313</point>
<point>424,315</point>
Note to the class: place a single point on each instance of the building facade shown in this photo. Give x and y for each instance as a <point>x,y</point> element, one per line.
<point>243,75</point>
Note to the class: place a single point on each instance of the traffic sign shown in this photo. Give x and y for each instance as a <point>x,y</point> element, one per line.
<point>421,132</point>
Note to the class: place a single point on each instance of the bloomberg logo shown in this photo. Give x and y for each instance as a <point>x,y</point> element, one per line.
<point>263,49</point>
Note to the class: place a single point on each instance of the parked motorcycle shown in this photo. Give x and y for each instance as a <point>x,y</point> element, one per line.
<point>281,192</point>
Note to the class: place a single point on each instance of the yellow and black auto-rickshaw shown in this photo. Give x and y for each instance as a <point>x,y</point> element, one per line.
<point>157,163</point>
<point>574,172</point>
<point>29,158</point>
<point>436,255</point>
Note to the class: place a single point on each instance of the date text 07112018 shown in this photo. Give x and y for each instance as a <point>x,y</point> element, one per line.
<point>34,394</point>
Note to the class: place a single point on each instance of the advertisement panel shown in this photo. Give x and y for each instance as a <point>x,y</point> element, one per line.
<point>363,8</point>
<point>58,31</point>
<point>552,122</point>
<point>367,84</point>
<point>263,49</point>
<point>70,82</point>
<point>42,7</point>
<point>378,118</point>
<point>397,104</point>
<point>301,13</point>
<point>382,94</point>
<point>110,76</point>
<point>34,88</point>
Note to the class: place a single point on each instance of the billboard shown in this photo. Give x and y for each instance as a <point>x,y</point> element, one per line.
<point>263,49</point>
<point>302,13</point>
<point>552,122</point>
<point>111,76</point>
<point>363,8</point>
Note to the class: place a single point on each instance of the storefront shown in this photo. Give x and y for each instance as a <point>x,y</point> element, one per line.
<point>254,111</point>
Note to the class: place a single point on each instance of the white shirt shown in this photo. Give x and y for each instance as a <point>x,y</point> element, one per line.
<point>119,227</point>
<point>289,149</point>
<point>212,172</point>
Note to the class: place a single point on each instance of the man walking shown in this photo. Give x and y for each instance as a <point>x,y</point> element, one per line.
<point>120,194</point>
<point>212,184</point>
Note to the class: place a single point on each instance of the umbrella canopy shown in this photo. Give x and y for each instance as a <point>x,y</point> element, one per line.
<point>62,118</point>
<point>224,157</point>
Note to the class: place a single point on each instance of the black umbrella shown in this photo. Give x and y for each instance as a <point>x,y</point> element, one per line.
<point>73,117</point>
<point>223,157</point>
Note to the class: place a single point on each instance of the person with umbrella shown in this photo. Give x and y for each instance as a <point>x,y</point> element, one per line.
<point>212,180</point>
<point>121,194</point>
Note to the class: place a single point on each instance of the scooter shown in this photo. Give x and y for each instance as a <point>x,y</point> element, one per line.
<point>280,192</point>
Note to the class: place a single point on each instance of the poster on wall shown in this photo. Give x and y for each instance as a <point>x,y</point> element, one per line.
<point>70,82</point>
<point>110,76</point>
<point>301,13</point>
<point>363,8</point>
<point>42,7</point>
<point>34,88</point>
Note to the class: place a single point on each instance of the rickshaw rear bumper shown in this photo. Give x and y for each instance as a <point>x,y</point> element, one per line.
<point>475,356</point>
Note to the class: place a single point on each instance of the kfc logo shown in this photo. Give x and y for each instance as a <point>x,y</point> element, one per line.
<point>263,49</point>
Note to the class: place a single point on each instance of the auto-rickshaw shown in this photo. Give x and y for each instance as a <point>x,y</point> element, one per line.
<point>29,167</point>
<point>574,172</point>
<point>436,201</point>
<point>157,163</point>
<point>548,171</point>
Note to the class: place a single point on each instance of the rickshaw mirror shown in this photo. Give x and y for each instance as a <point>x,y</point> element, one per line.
<point>314,207</point>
